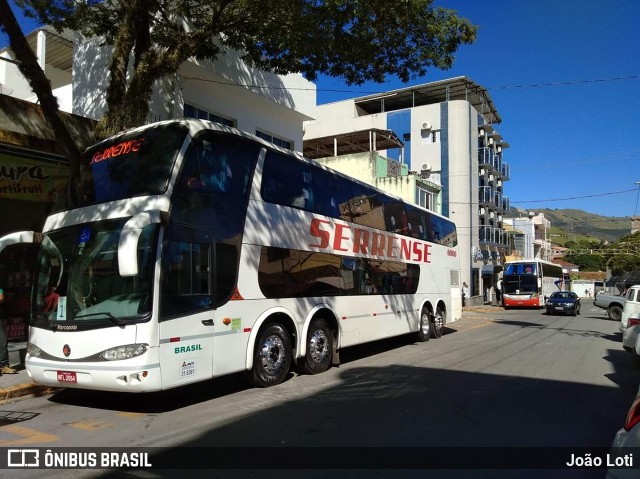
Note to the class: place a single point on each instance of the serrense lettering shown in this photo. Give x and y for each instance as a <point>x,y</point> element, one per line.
<point>341,237</point>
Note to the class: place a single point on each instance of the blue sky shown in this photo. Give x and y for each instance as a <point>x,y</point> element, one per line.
<point>566,141</point>
<point>577,140</point>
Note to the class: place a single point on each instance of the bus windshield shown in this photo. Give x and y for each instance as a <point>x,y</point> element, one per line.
<point>77,278</point>
<point>520,268</point>
<point>516,284</point>
<point>135,164</point>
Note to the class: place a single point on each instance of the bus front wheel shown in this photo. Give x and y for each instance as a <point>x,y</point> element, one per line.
<point>319,347</point>
<point>272,357</point>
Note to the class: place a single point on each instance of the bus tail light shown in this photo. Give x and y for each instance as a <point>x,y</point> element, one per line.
<point>633,416</point>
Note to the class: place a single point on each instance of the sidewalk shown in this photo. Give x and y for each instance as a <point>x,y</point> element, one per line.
<point>13,386</point>
<point>484,308</point>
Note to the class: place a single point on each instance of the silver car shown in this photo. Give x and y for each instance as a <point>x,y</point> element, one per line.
<point>630,335</point>
<point>627,439</point>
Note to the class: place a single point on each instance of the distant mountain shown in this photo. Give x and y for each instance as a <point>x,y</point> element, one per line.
<point>576,225</point>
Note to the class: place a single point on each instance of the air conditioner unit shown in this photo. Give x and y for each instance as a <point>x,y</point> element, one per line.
<point>425,171</point>
<point>426,125</point>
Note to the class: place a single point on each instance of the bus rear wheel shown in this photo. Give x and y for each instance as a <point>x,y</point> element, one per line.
<point>319,347</point>
<point>438,322</point>
<point>424,331</point>
<point>272,357</point>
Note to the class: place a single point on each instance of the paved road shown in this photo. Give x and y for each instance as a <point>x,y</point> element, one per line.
<point>496,379</point>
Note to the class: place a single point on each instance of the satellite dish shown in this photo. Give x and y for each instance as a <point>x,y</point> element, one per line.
<point>5,90</point>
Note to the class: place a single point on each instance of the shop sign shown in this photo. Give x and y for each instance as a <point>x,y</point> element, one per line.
<point>31,180</point>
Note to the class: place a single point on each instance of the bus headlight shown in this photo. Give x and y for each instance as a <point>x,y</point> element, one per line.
<point>124,352</point>
<point>33,350</point>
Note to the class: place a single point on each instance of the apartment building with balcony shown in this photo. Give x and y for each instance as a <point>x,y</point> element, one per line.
<point>446,129</point>
<point>530,237</point>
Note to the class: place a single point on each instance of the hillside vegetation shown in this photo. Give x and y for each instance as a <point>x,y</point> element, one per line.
<point>571,225</point>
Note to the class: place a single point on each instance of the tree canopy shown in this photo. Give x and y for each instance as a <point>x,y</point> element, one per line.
<point>355,40</point>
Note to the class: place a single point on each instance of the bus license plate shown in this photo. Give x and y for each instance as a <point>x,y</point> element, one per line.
<point>67,377</point>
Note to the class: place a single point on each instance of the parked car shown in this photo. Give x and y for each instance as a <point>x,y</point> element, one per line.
<point>627,439</point>
<point>613,303</point>
<point>631,305</point>
<point>566,302</point>
<point>631,333</point>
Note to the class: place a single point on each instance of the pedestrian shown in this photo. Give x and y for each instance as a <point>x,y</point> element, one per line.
<point>499,291</point>
<point>465,294</point>
<point>4,345</point>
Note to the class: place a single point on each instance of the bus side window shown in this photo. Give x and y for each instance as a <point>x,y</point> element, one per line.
<point>186,278</point>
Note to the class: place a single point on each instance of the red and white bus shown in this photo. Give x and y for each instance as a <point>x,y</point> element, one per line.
<point>196,250</point>
<point>525,283</point>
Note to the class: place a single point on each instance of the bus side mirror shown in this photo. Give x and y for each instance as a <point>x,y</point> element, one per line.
<point>128,242</point>
<point>22,237</point>
<point>16,238</point>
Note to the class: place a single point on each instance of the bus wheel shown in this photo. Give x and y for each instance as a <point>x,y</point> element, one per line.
<point>438,322</point>
<point>424,333</point>
<point>272,357</point>
<point>319,347</point>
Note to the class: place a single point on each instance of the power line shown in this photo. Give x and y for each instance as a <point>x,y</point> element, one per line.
<point>375,92</point>
<point>575,82</point>
<point>574,197</point>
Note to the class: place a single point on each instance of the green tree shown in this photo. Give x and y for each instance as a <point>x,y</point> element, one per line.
<point>358,40</point>
<point>623,256</point>
<point>589,255</point>
<point>29,67</point>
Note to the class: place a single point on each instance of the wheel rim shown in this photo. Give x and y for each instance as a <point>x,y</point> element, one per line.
<point>425,326</point>
<point>438,320</point>
<point>319,346</point>
<point>272,354</point>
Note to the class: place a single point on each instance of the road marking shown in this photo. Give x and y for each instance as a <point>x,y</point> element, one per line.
<point>28,436</point>
<point>91,425</point>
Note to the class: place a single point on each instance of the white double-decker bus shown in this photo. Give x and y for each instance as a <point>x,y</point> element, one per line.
<point>196,250</point>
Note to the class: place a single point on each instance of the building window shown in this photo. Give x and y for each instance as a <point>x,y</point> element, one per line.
<point>191,111</point>
<point>423,198</point>
<point>406,137</point>
<point>274,139</point>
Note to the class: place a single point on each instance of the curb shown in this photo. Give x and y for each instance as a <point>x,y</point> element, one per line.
<point>11,393</point>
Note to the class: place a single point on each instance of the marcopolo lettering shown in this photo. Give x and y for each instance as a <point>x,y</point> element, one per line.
<point>188,349</point>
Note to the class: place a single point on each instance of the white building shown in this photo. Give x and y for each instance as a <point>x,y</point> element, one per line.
<point>227,90</point>
<point>531,237</point>
<point>446,129</point>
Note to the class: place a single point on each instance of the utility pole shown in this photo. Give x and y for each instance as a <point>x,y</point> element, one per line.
<point>635,221</point>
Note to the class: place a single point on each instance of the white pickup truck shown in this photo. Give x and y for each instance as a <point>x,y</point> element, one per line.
<point>613,303</point>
